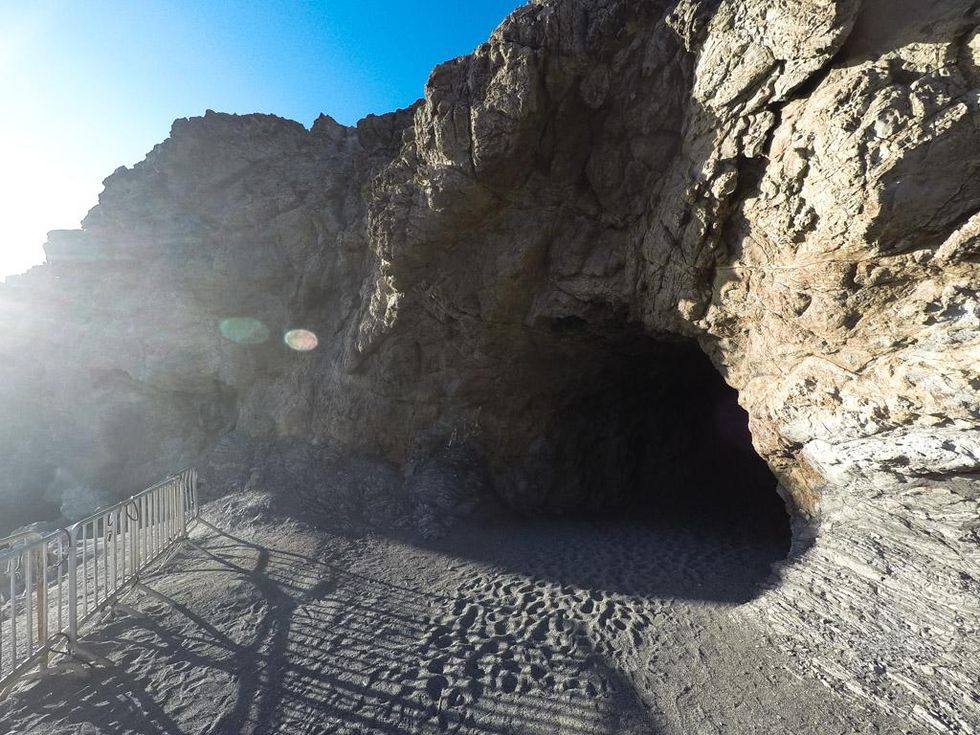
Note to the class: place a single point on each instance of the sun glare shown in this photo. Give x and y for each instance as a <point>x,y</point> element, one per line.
<point>301,340</point>
<point>35,200</point>
<point>43,182</point>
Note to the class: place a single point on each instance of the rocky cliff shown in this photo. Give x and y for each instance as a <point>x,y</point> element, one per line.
<point>495,275</point>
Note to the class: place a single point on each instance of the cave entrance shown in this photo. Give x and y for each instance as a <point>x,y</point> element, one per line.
<point>643,479</point>
<point>651,428</point>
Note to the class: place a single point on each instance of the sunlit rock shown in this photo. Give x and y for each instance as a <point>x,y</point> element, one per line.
<point>525,265</point>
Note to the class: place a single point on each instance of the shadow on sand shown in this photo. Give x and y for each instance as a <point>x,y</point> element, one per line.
<point>672,554</point>
<point>299,643</point>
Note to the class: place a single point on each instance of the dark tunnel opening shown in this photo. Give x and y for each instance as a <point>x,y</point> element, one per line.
<point>654,430</point>
<point>644,481</point>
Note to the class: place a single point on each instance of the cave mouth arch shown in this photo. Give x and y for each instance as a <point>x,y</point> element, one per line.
<point>650,425</point>
<point>644,469</point>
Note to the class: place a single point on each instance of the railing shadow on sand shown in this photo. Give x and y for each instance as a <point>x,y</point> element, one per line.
<point>314,641</point>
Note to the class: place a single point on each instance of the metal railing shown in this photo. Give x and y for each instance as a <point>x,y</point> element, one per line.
<point>33,601</point>
<point>20,538</point>
<point>51,585</point>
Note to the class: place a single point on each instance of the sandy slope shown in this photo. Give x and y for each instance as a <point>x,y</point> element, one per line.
<point>508,626</point>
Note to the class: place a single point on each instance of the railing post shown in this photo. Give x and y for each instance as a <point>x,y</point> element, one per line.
<point>194,498</point>
<point>135,563</point>
<point>41,593</point>
<point>72,587</point>
<point>182,502</point>
<point>29,599</point>
<point>14,563</point>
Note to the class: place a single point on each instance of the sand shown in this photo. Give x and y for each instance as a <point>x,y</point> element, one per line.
<point>266,624</point>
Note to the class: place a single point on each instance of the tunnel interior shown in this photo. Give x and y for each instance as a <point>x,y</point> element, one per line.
<point>649,428</point>
<point>639,478</point>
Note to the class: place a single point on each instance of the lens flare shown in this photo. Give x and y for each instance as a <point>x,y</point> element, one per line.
<point>301,340</point>
<point>244,330</point>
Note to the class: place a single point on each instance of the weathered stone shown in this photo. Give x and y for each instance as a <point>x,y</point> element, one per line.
<point>794,187</point>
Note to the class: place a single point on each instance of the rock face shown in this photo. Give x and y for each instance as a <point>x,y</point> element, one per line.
<point>496,274</point>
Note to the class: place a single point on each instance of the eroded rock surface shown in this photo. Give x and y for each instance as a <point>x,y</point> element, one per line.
<point>793,187</point>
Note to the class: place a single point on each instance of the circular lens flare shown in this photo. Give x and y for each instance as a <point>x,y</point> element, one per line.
<point>301,340</point>
<point>244,330</point>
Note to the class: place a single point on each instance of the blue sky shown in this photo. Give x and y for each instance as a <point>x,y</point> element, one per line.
<point>90,85</point>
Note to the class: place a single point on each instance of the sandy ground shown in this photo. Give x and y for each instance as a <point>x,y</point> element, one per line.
<point>267,625</point>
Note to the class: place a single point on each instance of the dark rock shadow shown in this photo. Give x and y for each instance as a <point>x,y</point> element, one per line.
<point>670,556</point>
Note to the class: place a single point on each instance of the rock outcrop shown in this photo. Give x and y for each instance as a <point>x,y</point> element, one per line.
<point>791,187</point>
